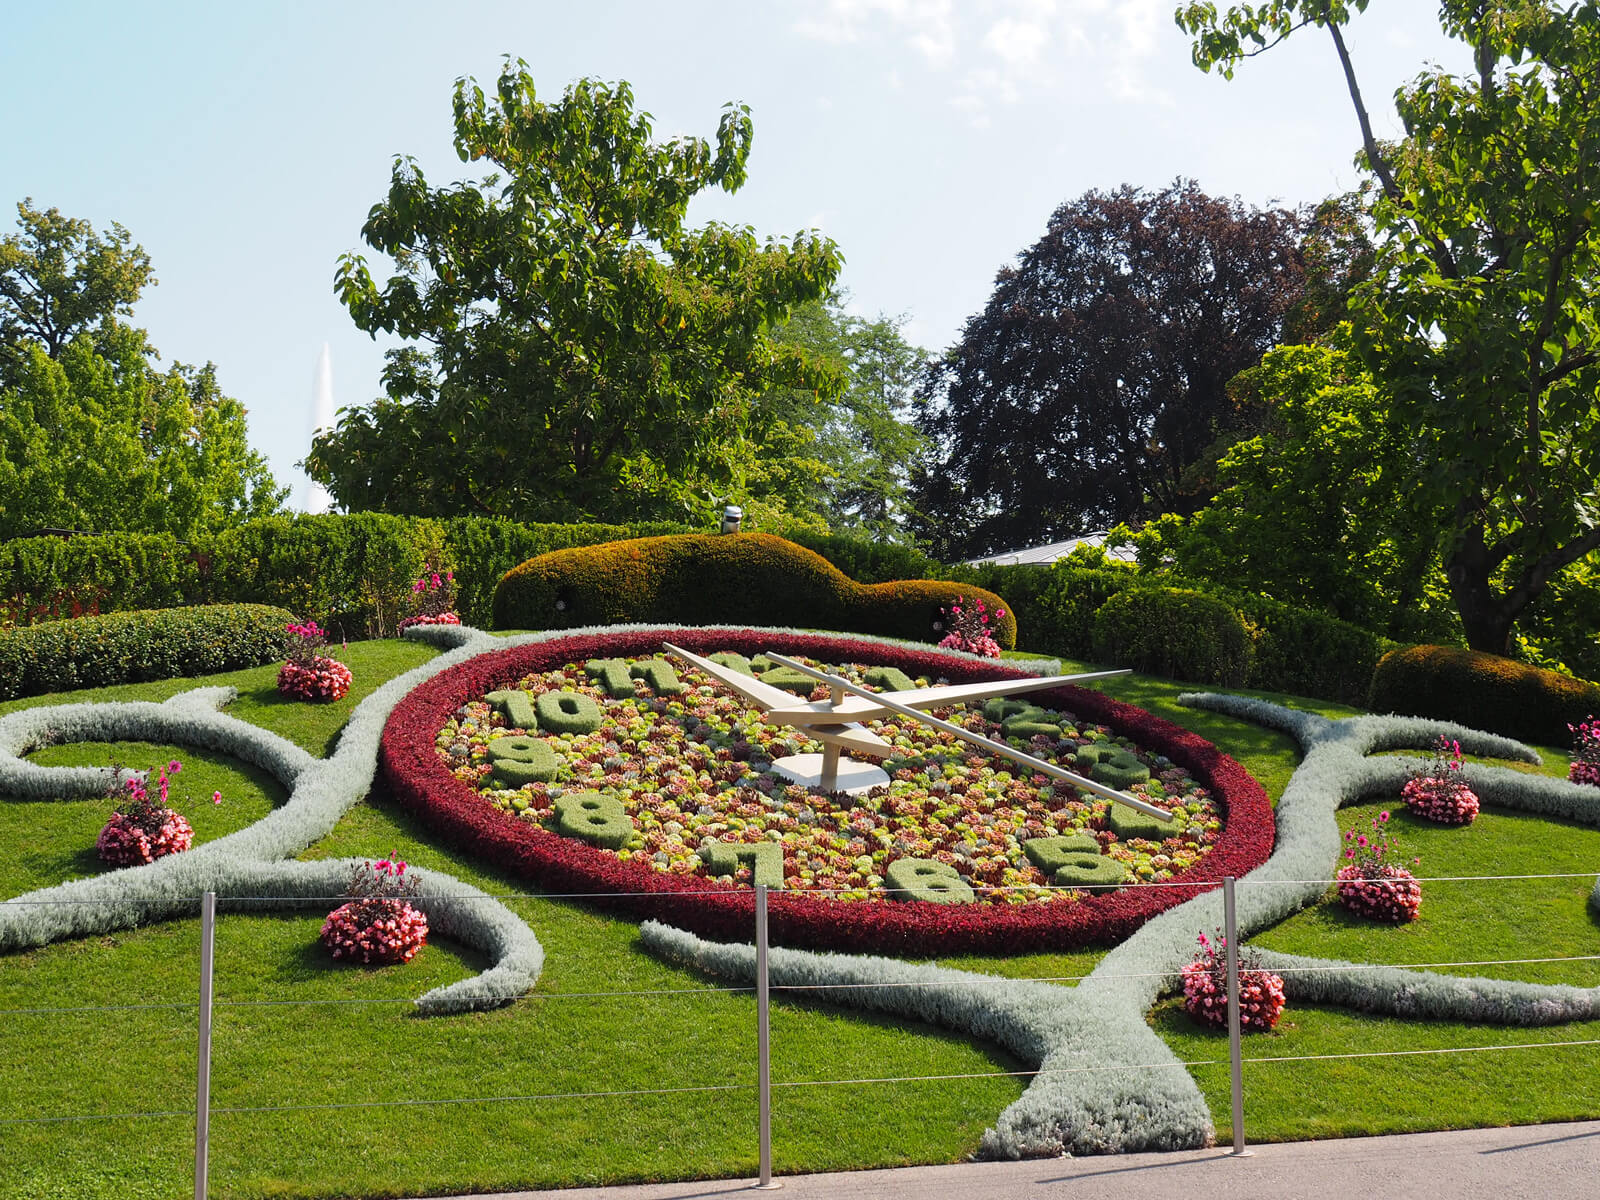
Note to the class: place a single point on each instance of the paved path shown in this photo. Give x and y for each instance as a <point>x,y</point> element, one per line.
<point>1550,1162</point>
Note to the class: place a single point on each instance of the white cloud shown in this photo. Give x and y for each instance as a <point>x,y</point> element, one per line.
<point>1000,52</point>
<point>926,24</point>
<point>1016,42</point>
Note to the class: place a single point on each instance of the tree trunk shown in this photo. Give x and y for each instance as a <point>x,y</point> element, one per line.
<point>1486,618</point>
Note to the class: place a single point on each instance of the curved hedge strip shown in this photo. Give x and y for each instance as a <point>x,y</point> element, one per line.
<point>253,862</point>
<point>411,767</point>
<point>132,647</point>
<point>753,578</point>
<point>1483,690</point>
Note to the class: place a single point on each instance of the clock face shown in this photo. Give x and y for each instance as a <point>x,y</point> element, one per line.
<point>680,765</point>
<point>593,765</point>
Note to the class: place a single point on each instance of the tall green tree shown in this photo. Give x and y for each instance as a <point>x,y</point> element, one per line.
<point>1310,509</point>
<point>846,458</point>
<point>1482,321</point>
<point>93,435</point>
<point>58,278</point>
<point>579,351</point>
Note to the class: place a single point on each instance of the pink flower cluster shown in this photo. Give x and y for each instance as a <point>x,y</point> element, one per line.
<point>1371,886</point>
<point>143,828</point>
<point>1205,989</point>
<point>305,643</point>
<point>433,599</point>
<point>969,629</point>
<point>1384,893</point>
<point>323,679</point>
<point>377,925</point>
<point>126,842</point>
<point>375,931</point>
<point>1438,793</point>
<point>1585,766</point>
<point>445,618</point>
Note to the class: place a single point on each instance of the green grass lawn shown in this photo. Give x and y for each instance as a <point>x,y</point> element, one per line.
<point>298,1036</point>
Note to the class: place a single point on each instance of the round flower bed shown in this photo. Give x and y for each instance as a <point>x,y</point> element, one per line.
<point>324,679</point>
<point>443,618</point>
<point>128,840</point>
<point>1205,995</point>
<point>1444,800</point>
<point>1584,772</point>
<point>433,762</point>
<point>375,930</point>
<point>1383,893</point>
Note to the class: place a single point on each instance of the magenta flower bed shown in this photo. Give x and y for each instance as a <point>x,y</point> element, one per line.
<point>126,841</point>
<point>411,766</point>
<point>369,931</point>
<point>324,680</point>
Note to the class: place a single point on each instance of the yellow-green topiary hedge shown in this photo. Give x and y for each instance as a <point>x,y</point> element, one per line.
<point>1484,691</point>
<point>744,578</point>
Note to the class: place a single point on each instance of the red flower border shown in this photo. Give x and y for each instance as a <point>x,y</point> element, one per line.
<point>411,768</point>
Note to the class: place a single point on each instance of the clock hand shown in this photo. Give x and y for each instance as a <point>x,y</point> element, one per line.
<point>977,739</point>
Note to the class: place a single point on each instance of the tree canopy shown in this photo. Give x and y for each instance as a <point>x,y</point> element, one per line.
<point>92,435</point>
<point>841,462</point>
<point>1310,510</point>
<point>1097,373</point>
<point>582,353</point>
<point>1482,319</point>
<point>58,279</point>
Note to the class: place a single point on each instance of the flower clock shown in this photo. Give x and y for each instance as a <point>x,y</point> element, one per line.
<point>612,765</point>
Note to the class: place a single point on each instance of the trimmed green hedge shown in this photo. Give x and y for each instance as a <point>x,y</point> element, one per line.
<point>752,578</point>
<point>867,560</point>
<point>351,572</point>
<point>55,578</point>
<point>1175,633</point>
<point>1292,649</point>
<point>1483,691</point>
<point>133,647</point>
<point>354,573</point>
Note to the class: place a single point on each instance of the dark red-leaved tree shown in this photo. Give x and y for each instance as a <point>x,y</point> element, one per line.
<point>1098,371</point>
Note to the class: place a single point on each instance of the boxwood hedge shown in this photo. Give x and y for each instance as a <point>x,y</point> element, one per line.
<point>745,578</point>
<point>130,647</point>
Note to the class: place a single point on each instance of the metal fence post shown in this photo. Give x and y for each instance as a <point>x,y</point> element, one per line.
<point>202,1100</point>
<point>1230,923</point>
<point>763,1048</point>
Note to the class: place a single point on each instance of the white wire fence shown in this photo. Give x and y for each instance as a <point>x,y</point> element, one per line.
<point>208,1004</point>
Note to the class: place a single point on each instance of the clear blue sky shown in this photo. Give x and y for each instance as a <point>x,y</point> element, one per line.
<point>243,143</point>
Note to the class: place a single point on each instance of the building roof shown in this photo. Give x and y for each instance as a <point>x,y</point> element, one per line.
<point>1050,553</point>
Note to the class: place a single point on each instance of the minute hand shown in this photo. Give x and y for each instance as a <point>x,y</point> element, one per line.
<point>977,739</point>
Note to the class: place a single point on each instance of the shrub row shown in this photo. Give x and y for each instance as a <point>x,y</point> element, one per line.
<point>1483,691</point>
<point>131,647</point>
<point>1289,649</point>
<point>411,767</point>
<point>752,578</point>
<point>352,572</point>
<point>353,569</point>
